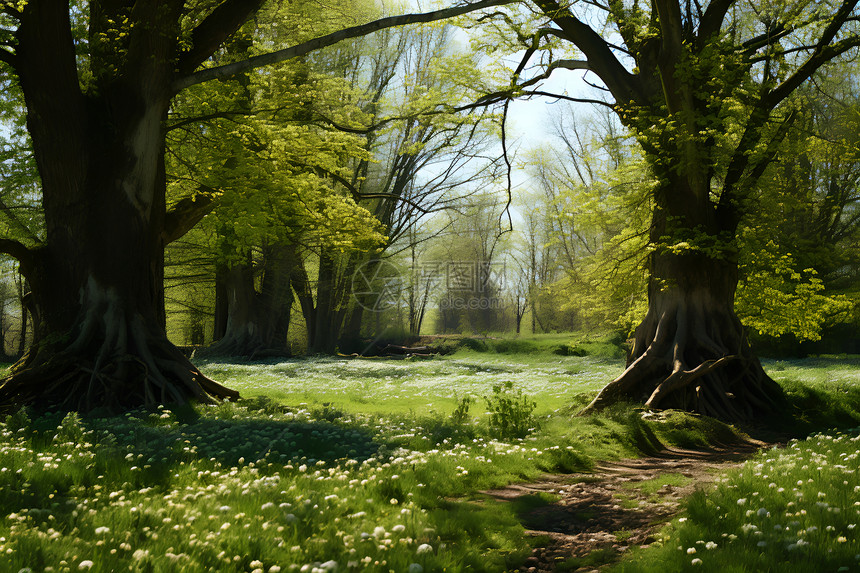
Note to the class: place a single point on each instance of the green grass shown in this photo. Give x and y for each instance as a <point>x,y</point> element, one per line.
<point>382,386</point>
<point>823,392</point>
<point>789,510</point>
<point>364,463</point>
<point>604,345</point>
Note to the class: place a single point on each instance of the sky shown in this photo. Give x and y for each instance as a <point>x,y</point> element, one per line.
<point>530,122</point>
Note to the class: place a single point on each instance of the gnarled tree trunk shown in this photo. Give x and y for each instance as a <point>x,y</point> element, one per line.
<point>691,351</point>
<point>97,300</point>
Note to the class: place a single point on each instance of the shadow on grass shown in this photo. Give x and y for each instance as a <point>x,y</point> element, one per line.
<point>57,455</point>
<point>818,408</point>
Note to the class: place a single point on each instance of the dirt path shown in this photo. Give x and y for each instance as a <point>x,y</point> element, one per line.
<point>600,515</point>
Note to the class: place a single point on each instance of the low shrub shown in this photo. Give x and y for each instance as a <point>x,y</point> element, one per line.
<point>511,412</point>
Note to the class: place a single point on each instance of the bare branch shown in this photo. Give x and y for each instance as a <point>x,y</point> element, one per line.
<point>508,182</point>
<point>201,118</point>
<point>624,86</point>
<point>804,72</point>
<point>230,70</point>
<point>570,65</point>
<point>571,99</point>
<point>358,195</point>
<point>824,52</point>
<point>768,38</point>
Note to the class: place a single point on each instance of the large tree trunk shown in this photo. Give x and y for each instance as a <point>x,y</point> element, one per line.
<point>691,351</point>
<point>23,297</point>
<point>222,302</point>
<point>327,328</point>
<point>97,299</point>
<point>105,347</point>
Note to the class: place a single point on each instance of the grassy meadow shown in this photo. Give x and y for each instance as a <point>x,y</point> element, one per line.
<point>338,464</point>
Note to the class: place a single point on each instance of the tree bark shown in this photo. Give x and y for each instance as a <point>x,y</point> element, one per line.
<point>23,292</point>
<point>691,351</point>
<point>327,328</point>
<point>222,305</point>
<point>97,299</point>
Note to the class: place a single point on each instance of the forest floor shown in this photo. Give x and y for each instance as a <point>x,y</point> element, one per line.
<point>596,517</point>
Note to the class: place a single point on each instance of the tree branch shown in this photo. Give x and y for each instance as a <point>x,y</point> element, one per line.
<point>728,208</point>
<point>187,213</point>
<point>215,115</point>
<point>208,36</point>
<point>824,52</point>
<point>821,56</point>
<point>16,250</point>
<point>571,99</point>
<point>570,65</point>
<point>624,86</point>
<point>230,70</point>
<point>7,57</point>
<point>358,195</point>
<point>10,10</point>
<point>768,38</point>
<point>712,20</point>
<point>758,168</point>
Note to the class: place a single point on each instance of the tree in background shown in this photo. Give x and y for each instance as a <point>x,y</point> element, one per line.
<point>592,196</point>
<point>97,82</point>
<point>421,155</point>
<point>472,263</point>
<point>799,265</point>
<point>280,196</point>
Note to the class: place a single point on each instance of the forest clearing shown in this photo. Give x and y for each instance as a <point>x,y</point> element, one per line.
<point>334,464</point>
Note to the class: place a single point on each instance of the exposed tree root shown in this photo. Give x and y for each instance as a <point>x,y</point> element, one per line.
<point>115,360</point>
<point>693,357</point>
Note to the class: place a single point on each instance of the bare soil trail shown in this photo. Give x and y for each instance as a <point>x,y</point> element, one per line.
<point>600,515</point>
